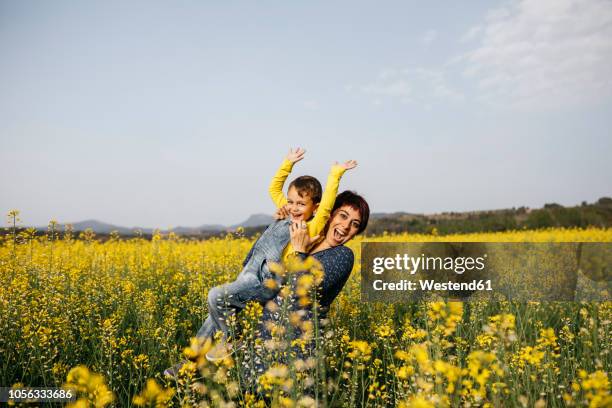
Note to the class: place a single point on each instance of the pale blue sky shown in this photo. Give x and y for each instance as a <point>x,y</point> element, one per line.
<point>159,114</point>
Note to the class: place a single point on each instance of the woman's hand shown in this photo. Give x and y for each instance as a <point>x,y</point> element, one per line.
<point>281,213</point>
<point>300,240</point>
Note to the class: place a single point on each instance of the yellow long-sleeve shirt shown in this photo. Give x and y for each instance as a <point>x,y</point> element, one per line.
<point>317,223</point>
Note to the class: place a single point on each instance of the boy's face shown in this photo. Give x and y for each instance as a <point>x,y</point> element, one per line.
<point>301,207</point>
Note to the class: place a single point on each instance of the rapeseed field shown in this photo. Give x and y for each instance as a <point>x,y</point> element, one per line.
<point>106,318</point>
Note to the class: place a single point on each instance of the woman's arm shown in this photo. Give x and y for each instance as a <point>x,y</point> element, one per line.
<point>337,263</point>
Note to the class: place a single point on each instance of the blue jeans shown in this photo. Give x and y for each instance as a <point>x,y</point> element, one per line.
<point>226,300</point>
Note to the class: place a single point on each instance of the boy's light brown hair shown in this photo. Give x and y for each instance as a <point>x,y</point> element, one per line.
<point>308,185</point>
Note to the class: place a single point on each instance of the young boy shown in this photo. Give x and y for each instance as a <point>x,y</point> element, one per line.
<point>303,199</point>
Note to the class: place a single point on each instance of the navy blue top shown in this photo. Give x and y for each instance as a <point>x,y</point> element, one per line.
<point>337,265</point>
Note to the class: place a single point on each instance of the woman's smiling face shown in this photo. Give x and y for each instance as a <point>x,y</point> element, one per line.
<point>343,225</point>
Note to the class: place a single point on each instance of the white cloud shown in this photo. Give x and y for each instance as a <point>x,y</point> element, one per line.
<point>471,33</point>
<point>543,54</point>
<point>418,85</point>
<point>530,55</point>
<point>438,85</point>
<point>429,37</point>
<point>389,83</point>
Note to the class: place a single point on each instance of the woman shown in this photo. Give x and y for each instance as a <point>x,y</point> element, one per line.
<point>349,217</point>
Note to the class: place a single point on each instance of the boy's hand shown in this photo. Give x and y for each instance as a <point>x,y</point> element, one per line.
<point>281,213</point>
<point>296,155</point>
<point>347,165</point>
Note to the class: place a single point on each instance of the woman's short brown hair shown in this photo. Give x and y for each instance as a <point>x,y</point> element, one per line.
<point>356,202</point>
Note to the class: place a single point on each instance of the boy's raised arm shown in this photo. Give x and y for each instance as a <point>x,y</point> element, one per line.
<point>329,197</point>
<point>278,181</point>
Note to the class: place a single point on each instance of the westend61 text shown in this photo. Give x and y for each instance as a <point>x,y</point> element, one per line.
<point>426,285</point>
<point>412,264</point>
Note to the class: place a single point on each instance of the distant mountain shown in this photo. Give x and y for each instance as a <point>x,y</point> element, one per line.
<point>197,230</point>
<point>99,227</point>
<point>551,215</point>
<point>598,214</point>
<point>255,220</point>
